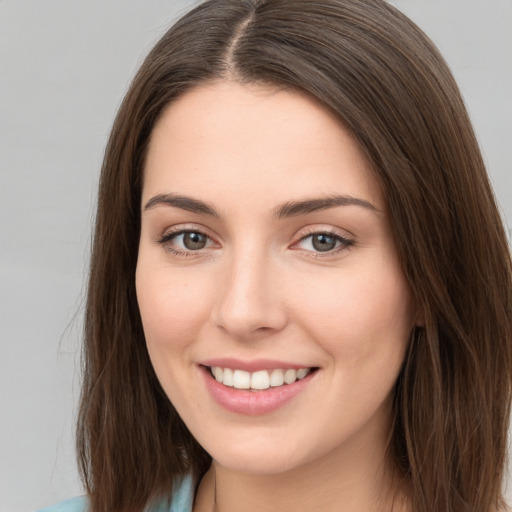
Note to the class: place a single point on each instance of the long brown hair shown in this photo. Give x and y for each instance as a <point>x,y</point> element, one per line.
<point>384,79</point>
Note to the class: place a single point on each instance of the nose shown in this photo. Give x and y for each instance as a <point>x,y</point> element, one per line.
<point>250,302</point>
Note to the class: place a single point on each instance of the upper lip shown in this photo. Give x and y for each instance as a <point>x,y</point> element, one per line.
<point>253,365</point>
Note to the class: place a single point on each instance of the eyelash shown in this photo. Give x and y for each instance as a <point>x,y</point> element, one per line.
<point>167,237</point>
<point>345,243</point>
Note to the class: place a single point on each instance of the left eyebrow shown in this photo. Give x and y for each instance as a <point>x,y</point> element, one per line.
<point>293,208</point>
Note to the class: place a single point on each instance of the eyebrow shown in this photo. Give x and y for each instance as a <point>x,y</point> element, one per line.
<point>294,208</point>
<point>288,209</point>
<point>184,202</point>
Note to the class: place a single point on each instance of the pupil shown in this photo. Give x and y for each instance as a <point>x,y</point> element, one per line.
<point>194,241</point>
<point>324,243</point>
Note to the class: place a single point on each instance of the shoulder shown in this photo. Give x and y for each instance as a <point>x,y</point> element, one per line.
<point>183,497</point>
<point>79,504</point>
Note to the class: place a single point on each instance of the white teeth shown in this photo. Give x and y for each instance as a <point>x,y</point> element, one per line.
<point>300,373</point>
<point>241,379</point>
<point>276,378</point>
<point>260,380</point>
<point>218,373</point>
<point>228,377</point>
<point>290,376</point>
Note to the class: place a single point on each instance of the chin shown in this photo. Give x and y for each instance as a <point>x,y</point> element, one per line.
<point>262,464</point>
<point>270,456</point>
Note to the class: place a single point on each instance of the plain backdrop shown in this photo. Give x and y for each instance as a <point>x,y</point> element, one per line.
<point>64,67</point>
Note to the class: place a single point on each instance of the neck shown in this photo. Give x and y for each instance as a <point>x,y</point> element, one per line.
<point>362,481</point>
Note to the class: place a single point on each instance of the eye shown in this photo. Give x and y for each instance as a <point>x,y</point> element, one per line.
<point>324,242</point>
<point>184,241</point>
<point>192,240</point>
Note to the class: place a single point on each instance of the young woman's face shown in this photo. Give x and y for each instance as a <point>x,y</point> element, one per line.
<point>266,255</point>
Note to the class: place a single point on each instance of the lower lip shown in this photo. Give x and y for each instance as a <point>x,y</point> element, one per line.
<point>254,403</point>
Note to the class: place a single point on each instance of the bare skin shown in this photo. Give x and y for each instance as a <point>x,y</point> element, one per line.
<point>245,271</point>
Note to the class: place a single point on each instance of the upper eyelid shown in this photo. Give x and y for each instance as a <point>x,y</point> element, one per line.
<point>175,230</point>
<point>169,235</point>
<point>300,234</point>
<point>342,234</point>
<point>334,234</point>
<point>345,241</point>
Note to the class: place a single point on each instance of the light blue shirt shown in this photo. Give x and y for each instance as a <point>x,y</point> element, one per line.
<point>182,500</point>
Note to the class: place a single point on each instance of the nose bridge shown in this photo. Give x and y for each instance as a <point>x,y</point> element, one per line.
<point>249,301</point>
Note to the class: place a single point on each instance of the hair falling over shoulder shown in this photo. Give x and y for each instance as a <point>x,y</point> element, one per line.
<point>385,81</point>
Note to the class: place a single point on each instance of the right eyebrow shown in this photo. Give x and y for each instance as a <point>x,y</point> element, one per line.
<point>183,202</point>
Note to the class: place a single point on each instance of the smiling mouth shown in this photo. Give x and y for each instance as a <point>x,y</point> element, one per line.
<point>259,380</point>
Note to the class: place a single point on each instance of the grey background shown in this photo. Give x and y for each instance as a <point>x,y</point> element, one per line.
<point>64,67</point>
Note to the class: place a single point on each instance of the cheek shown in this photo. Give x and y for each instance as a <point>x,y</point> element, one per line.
<point>172,307</point>
<point>359,317</point>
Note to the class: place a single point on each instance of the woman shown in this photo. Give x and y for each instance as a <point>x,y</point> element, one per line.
<point>300,292</point>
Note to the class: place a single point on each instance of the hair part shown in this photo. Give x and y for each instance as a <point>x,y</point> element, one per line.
<point>386,82</point>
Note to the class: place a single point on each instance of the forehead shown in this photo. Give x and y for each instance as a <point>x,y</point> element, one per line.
<point>260,139</point>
